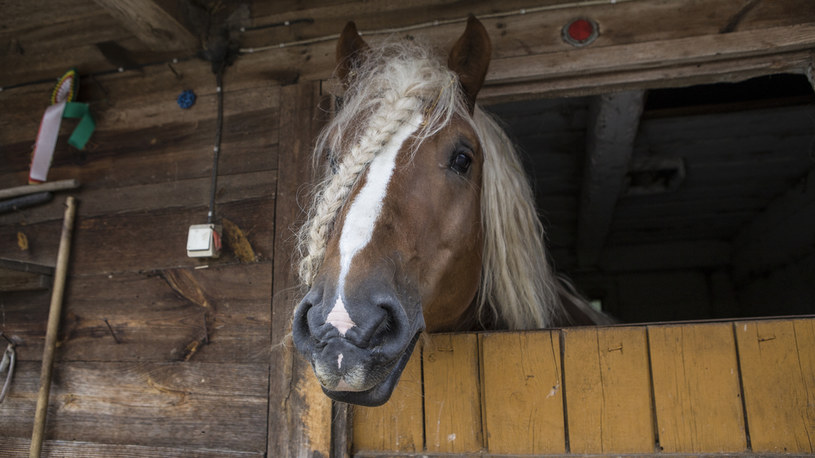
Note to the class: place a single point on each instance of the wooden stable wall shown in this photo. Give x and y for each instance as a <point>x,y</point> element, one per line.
<point>686,388</point>
<point>163,355</point>
<point>159,354</point>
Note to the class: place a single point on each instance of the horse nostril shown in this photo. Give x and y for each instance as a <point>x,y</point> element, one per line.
<point>301,331</point>
<point>391,329</point>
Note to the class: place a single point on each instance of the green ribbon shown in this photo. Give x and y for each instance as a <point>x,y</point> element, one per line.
<point>83,131</point>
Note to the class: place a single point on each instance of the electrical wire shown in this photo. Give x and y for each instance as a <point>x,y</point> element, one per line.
<point>436,23</point>
<point>216,150</point>
<point>423,25</point>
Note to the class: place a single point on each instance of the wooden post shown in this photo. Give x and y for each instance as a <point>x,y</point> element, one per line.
<point>613,124</point>
<point>53,328</point>
<point>151,24</point>
<point>299,412</point>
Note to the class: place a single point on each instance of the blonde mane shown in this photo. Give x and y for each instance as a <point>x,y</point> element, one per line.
<point>518,290</point>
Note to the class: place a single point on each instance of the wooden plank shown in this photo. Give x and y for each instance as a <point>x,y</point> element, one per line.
<point>663,53</point>
<point>397,425</point>
<point>536,31</point>
<point>696,388</point>
<point>162,236</point>
<point>514,36</point>
<point>523,398</point>
<point>44,50</point>
<point>610,133</point>
<point>452,397</point>
<point>299,412</point>
<point>200,405</point>
<point>96,201</point>
<point>663,56</point>
<point>23,14</point>
<point>607,385</point>
<point>151,24</point>
<point>15,447</point>
<point>15,280</point>
<point>122,101</point>
<point>778,373</point>
<point>677,75</point>
<point>127,316</point>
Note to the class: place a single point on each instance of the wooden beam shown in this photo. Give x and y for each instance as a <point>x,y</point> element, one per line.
<point>612,127</point>
<point>299,413</point>
<point>151,24</point>
<point>24,276</point>
<point>781,234</point>
<point>653,54</point>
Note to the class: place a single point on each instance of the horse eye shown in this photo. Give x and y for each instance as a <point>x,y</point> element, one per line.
<point>461,163</point>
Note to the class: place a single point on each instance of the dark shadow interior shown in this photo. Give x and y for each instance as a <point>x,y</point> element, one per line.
<point>709,210</point>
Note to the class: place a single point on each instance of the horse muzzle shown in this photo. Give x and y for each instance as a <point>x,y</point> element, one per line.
<point>357,346</point>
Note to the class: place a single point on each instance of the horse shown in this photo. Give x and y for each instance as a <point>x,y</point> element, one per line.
<point>424,222</point>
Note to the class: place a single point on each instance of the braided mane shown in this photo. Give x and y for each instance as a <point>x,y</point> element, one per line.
<point>518,290</point>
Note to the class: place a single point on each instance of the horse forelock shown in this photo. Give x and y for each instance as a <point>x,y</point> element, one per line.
<point>517,290</point>
<point>392,84</point>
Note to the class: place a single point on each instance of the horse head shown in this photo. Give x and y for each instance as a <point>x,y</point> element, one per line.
<point>394,241</point>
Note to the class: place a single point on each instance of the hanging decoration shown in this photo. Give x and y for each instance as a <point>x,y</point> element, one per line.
<point>62,106</point>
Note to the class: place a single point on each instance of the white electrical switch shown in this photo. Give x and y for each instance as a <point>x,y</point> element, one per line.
<point>204,241</point>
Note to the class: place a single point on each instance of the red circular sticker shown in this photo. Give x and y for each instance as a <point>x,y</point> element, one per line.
<point>580,32</point>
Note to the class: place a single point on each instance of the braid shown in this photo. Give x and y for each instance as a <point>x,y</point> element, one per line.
<point>392,84</point>
<point>394,111</point>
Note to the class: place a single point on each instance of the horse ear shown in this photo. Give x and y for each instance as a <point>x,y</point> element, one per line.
<point>470,58</point>
<point>350,47</point>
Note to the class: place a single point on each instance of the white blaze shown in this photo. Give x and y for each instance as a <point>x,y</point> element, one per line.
<point>361,218</point>
<point>339,318</point>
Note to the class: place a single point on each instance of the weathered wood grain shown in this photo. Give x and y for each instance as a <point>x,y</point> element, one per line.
<point>140,317</point>
<point>134,100</point>
<point>518,34</point>
<point>696,388</point>
<point>16,447</point>
<point>778,375</point>
<point>152,25</point>
<point>172,147</point>
<point>220,406</point>
<point>178,194</point>
<point>398,424</point>
<point>523,396</point>
<point>299,412</point>
<point>515,36</point>
<point>452,408</point>
<point>34,48</point>
<point>24,14</point>
<point>564,70</point>
<point>607,386</point>
<point>140,241</point>
<point>592,82</point>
